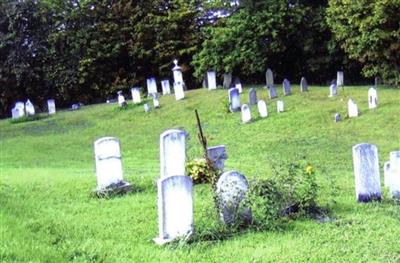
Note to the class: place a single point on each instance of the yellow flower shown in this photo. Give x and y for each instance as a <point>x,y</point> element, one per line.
<point>309,169</point>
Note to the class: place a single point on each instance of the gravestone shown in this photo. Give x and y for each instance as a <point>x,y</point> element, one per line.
<point>332,90</point>
<point>303,85</point>
<point>280,106</point>
<point>172,152</point>
<point>272,92</point>
<point>204,83</point>
<point>252,96</point>
<point>76,106</point>
<point>394,181</point>
<point>269,76</point>
<point>372,98</point>
<point>340,79</point>
<point>238,85</point>
<point>156,102</point>
<point>51,106</point>
<point>121,99</point>
<point>151,86</point>
<point>366,172</point>
<point>177,72</point>
<point>287,89</point>
<point>262,109</point>
<point>227,80</point>
<point>337,117</point>
<point>136,95</point>
<point>231,191</point>
<point>29,108</point>
<point>179,92</point>
<point>146,107</point>
<point>175,208</point>
<point>109,167</point>
<point>165,87</point>
<point>352,108</point>
<point>211,80</point>
<point>376,82</point>
<point>217,154</point>
<point>386,173</point>
<point>19,110</point>
<point>246,114</point>
<point>234,99</point>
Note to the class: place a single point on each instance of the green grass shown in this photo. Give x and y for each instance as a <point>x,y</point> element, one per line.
<point>48,213</point>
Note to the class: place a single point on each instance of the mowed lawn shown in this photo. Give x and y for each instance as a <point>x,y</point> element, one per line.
<point>47,175</point>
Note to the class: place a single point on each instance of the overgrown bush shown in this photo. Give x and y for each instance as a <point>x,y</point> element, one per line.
<point>197,169</point>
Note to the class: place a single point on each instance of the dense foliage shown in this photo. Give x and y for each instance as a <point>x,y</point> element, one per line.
<point>85,50</point>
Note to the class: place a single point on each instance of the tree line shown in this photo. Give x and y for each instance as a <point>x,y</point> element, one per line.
<point>86,50</point>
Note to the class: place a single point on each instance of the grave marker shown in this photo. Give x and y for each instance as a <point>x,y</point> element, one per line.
<point>287,89</point>
<point>303,84</point>
<point>151,86</point>
<point>211,80</point>
<point>252,96</point>
<point>51,106</point>
<point>394,181</point>
<point>262,109</point>
<point>172,153</point>
<point>165,87</point>
<point>136,95</point>
<point>372,98</point>
<point>352,108</point>
<point>234,99</point>
<point>280,106</point>
<point>246,114</point>
<point>217,154</point>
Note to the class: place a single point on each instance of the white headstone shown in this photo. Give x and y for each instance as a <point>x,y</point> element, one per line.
<point>156,102</point>
<point>287,89</point>
<point>353,109</point>
<point>269,76</point>
<point>246,114</point>
<point>372,98</point>
<point>234,99</point>
<point>340,79</point>
<point>51,106</point>
<point>146,107</point>
<point>178,78</point>
<point>165,87</point>
<point>29,108</point>
<point>217,155</point>
<point>231,190</point>
<point>366,172</point>
<point>227,80</point>
<point>175,208</point>
<point>151,86</point>
<point>394,181</point>
<point>178,90</point>
<point>211,80</point>
<point>121,99</point>
<point>18,111</point>
<point>136,95</point>
<point>303,85</point>
<point>262,109</point>
<point>239,87</point>
<point>332,90</point>
<point>172,153</point>
<point>280,106</point>
<point>386,173</point>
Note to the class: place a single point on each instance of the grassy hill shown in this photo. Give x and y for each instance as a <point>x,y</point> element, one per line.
<point>48,213</point>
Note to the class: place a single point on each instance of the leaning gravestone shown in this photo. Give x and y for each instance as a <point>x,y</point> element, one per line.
<point>227,80</point>
<point>217,155</point>
<point>109,167</point>
<point>231,191</point>
<point>269,76</point>
<point>332,90</point>
<point>211,80</point>
<point>352,108</point>
<point>272,92</point>
<point>172,153</point>
<point>394,181</point>
<point>178,90</point>
<point>303,85</point>
<point>175,208</point>
<point>340,79</point>
<point>372,98</point>
<point>280,107</point>
<point>366,172</point>
<point>246,114</point>
<point>252,96</point>
<point>287,89</point>
<point>165,87</point>
<point>29,108</point>
<point>386,173</point>
<point>234,100</point>
<point>151,86</point>
<point>262,109</point>
<point>136,95</point>
<point>51,106</point>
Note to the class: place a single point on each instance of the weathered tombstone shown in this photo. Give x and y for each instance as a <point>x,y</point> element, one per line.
<point>332,90</point>
<point>227,80</point>
<point>136,95</point>
<point>366,172</point>
<point>51,106</point>
<point>394,181</point>
<point>217,154</point>
<point>337,117</point>
<point>352,108</point>
<point>280,106</point>
<point>262,109</point>
<point>76,106</point>
<point>238,85</point>
<point>156,102</point>
<point>121,99</point>
<point>287,89</point>
<point>172,152</point>
<point>386,173</point>
<point>246,114</point>
<point>340,79</point>
<point>252,96</point>
<point>372,98</point>
<point>272,92</point>
<point>303,84</point>
<point>165,87</point>
<point>175,208</point>
<point>178,90</point>
<point>231,191</point>
<point>19,110</point>
<point>177,72</point>
<point>234,100</point>
<point>151,86</point>
<point>15,113</point>
<point>109,166</point>
<point>269,76</point>
<point>146,107</point>
<point>211,80</point>
<point>29,108</point>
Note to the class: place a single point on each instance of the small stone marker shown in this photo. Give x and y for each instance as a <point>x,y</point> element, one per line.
<point>303,85</point>
<point>272,92</point>
<point>76,106</point>
<point>156,102</point>
<point>353,109</point>
<point>211,80</point>
<point>227,80</point>
<point>109,167</point>
<point>366,172</point>
<point>280,106</point>
<point>29,108</point>
<point>246,114</point>
<point>386,173</point>
<point>269,76</point>
<point>231,191</point>
<point>262,109</point>
<point>340,79</point>
<point>394,181</point>
<point>234,99</point>
<point>51,106</point>
<point>19,110</point>
<point>287,89</point>
<point>136,95</point>
<point>175,208</point>
<point>146,107</point>
<point>166,87</point>
<point>252,96</point>
<point>172,152</point>
<point>332,90</point>
<point>217,154</point>
<point>372,98</point>
<point>337,117</point>
<point>151,86</point>
<point>121,99</point>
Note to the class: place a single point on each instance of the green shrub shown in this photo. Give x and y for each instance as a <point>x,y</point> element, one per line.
<point>197,169</point>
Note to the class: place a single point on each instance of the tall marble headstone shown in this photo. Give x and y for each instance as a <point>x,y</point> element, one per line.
<point>394,182</point>
<point>51,106</point>
<point>340,79</point>
<point>352,108</point>
<point>227,80</point>
<point>303,84</point>
<point>252,96</point>
<point>136,95</point>
<point>175,208</point>
<point>280,106</point>
<point>332,90</point>
<point>287,89</point>
<point>217,154</point>
<point>211,80</point>
<point>262,108</point>
<point>366,172</point>
<point>246,114</point>
<point>177,72</point>
<point>151,86</point>
<point>372,98</point>
<point>269,76</point>
<point>29,108</point>
<point>272,92</point>
<point>234,99</point>
<point>172,153</point>
<point>165,87</point>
